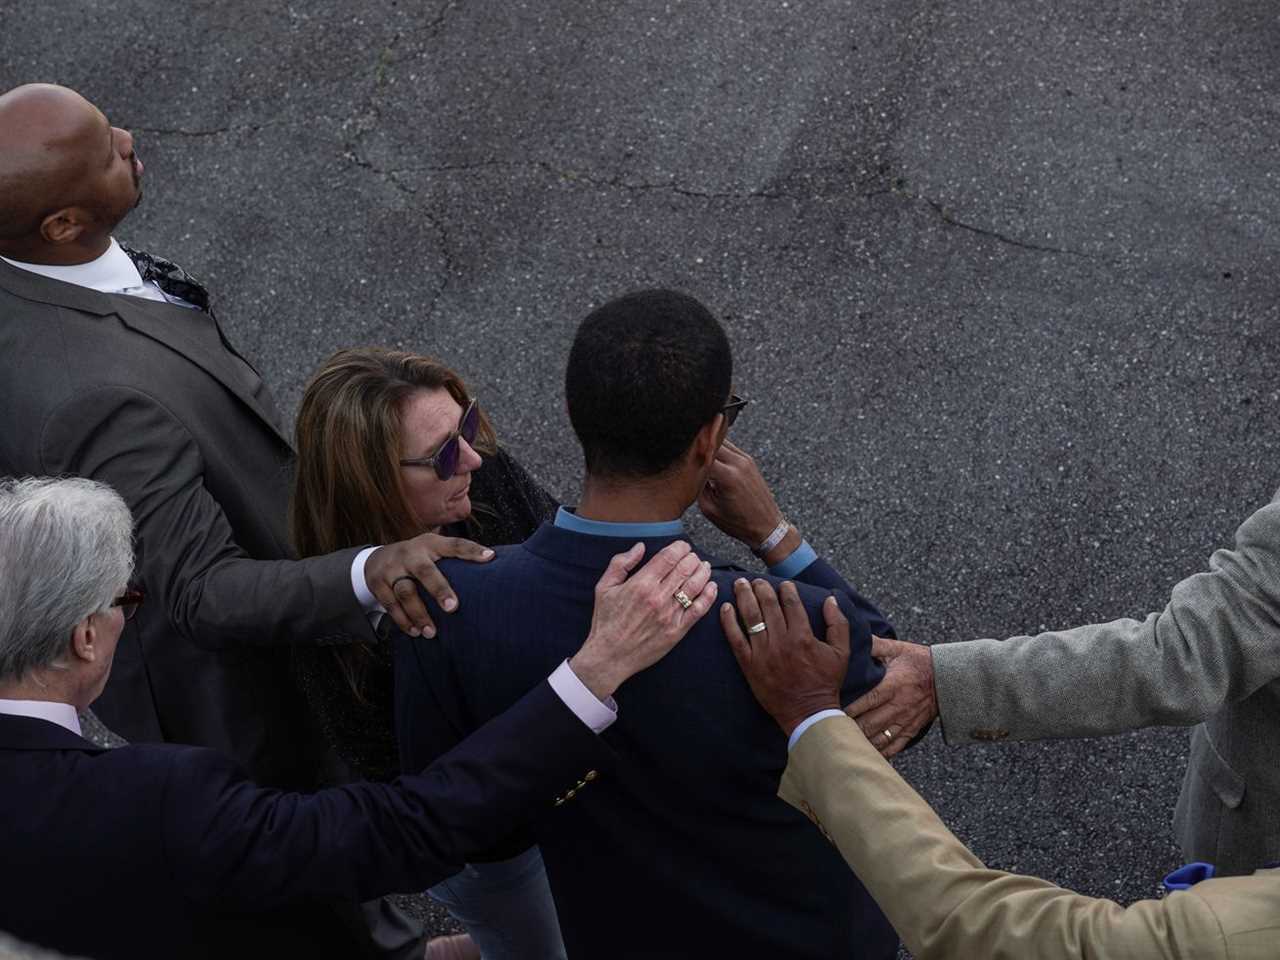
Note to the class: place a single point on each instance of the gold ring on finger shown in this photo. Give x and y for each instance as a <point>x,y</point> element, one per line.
<point>682,598</point>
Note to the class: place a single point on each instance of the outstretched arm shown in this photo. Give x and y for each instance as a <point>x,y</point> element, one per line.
<point>1215,642</point>
<point>939,897</point>
<point>209,588</point>
<point>944,902</point>
<point>234,843</point>
<point>250,847</point>
<point>195,574</point>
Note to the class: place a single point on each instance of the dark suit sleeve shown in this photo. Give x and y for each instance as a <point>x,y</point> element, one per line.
<point>213,593</point>
<point>232,843</point>
<point>822,574</point>
<point>864,672</point>
<point>431,716</point>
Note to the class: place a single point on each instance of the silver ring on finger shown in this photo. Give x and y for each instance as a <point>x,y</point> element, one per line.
<point>757,628</point>
<point>888,735</point>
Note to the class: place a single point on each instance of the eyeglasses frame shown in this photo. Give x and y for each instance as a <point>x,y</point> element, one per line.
<point>129,601</point>
<point>453,437</point>
<point>732,409</point>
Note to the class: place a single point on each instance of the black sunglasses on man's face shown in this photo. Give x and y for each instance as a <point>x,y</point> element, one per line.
<point>732,409</point>
<point>129,602</point>
<point>445,459</point>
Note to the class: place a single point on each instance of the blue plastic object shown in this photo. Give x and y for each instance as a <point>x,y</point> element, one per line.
<point>1184,878</point>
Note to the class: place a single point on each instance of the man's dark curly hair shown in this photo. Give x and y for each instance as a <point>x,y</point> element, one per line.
<point>646,372</point>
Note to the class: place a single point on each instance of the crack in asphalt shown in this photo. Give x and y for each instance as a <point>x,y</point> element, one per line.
<point>951,221</point>
<point>594,179</point>
<point>620,183</point>
<point>392,178</point>
<point>436,25</point>
<point>210,132</point>
<point>200,132</point>
<point>428,32</point>
<point>446,254</point>
<point>366,118</point>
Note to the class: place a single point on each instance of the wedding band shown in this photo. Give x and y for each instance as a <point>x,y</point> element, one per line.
<point>682,598</point>
<point>758,628</point>
<point>887,736</point>
<point>405,576</point>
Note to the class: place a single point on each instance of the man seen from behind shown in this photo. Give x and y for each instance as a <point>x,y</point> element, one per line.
<point>680,848</point>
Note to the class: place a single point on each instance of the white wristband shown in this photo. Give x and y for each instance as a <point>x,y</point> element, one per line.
<point>774,538</point>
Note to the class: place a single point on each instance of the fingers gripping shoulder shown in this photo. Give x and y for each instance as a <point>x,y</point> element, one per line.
<point>477,585</point>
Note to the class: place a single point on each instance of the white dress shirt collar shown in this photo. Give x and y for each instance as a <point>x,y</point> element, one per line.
<point>113,272</point>
<point>63,714</point>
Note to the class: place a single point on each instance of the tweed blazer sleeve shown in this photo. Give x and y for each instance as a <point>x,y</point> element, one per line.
<point>1215,642</point>
<point>945,903</point>
<point>188,559</point>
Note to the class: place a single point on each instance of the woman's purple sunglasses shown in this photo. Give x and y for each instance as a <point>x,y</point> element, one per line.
<point>445,459</point>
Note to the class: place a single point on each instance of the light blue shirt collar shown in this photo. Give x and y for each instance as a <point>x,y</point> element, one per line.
<point>626,531</point>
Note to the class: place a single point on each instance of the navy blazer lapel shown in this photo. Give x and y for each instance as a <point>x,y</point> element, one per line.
<point>147,318</point>
<point>32,733</point>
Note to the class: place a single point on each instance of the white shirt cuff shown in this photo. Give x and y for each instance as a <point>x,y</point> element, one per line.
<point>808,722</point>
<point>596,714</point>
<point>368,602</point>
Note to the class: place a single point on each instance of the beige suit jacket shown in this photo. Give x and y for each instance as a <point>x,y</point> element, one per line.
<point>944,903</point>
<point>1210,657</point>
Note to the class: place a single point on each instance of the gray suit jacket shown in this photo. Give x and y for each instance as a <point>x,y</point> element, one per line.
<point>1211,657</point>
<point>151,399</point>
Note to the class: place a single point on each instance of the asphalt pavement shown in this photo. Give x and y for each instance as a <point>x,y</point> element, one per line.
<point>1001,278</point>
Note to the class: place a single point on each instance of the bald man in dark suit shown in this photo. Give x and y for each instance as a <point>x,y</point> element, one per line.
<point>114,367</point>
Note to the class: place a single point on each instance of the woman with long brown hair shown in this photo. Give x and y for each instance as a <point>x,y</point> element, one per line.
<point>391,445</point>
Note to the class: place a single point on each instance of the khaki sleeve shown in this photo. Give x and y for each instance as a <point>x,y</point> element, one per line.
<point>944,902</point>
<point>1247,910</point>
<point>1215,642</point>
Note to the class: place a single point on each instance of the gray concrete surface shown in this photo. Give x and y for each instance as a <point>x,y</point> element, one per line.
<point>1001,277</point>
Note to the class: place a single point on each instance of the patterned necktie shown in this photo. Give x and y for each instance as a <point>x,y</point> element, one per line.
<point>169,277</point>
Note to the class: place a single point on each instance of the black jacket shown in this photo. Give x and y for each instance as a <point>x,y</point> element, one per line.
<point>167,851</point>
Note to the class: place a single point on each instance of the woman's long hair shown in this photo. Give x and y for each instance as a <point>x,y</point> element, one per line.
<point>347,491</point>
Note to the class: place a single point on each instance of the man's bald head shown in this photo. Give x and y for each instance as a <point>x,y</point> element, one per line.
<point>60,162</point>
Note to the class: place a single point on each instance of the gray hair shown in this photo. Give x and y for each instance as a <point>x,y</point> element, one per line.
<point>66,551</point>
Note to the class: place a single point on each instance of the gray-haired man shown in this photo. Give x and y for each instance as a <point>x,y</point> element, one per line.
<point>220,863</point>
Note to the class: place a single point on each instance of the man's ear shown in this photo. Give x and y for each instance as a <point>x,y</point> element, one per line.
<point>707,441</point>
<point>63,226</point>
<point>84,640</point>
